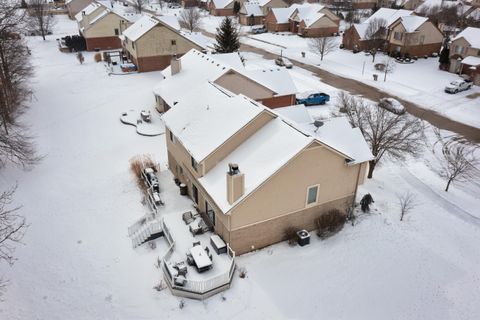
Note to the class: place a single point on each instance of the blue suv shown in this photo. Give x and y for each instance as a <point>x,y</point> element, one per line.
<point>314,98</point>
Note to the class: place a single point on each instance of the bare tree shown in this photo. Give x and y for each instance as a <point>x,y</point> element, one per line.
<point>190,19</point>
<point>375,36</point>
<point>386,133</point>
<point>15,71</point>
<point>458,162</point>
<point>388,67</point>
<point>407,203</point>
<point>322,45</point>
<point>41,21</point>
<point>139,5</point>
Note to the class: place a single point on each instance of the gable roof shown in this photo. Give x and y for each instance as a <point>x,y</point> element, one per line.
<point>147,23</point>
<point>220,4</point>
<point>412,23</point>
<point>197,67</point>
<point>258,157</point>
<point>361,29</point>
<point>308,12</point>
<point>87,10</point>
<point>252,8</point>
<point>107,7</point>
<point>389,15</point>
<point>283,14</point>
<point>472,35</point>
<point>208,116</point>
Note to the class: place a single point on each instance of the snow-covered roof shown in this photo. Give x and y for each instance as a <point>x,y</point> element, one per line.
<point>197,67</point>
<point>140,27</point>
<point>308,12</point>
<point>412,23</point>
<point>472,61</point>
<point>297,114</point>
<point>197,38</point>
<point>276,79</point>
<point>252,8</point>
<point>87,11</point>
<point>146,23</point>
<point>208,116</point>
<point>283,14</point>
<point>472,35</point>
<point>258,158</point>
<point>219,4</point>
<point>361,29</point>
<point>389,15</point>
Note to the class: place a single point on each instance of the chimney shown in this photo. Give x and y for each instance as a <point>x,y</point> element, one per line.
<point>175,65</point>
<point>235,183</point>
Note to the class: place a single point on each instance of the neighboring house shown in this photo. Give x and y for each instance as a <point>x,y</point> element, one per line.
<point>75,6</point>
<point>222,7</point>
<point>414,36</point>
<point>273,87</point>
<point>152,41</point>
<point>465,54</point>
<point>253,173</point>
<point>254,12</point>
<point>190,3</point>
<point>100,23</point>
<point>407,34</point>
<point>308,20</point>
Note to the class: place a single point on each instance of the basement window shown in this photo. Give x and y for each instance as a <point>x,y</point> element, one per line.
<point>312,194</point>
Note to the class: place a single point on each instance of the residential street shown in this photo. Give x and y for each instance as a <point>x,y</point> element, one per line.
<point>358,88</point>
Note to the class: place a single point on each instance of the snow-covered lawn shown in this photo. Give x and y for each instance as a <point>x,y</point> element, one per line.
<point>420,82</point>
<point>78,262</point>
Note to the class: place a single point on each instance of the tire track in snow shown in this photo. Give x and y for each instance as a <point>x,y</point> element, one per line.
<point>450,207</point>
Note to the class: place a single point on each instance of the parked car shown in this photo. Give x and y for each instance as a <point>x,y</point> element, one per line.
<point>258,30</point>
<point>392,105</point>
<point>174,5</point>
<point>283,62</point>
<point>314,99</point>
<point>458,85</point>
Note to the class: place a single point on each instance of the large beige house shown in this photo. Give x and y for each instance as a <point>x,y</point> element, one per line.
<point>307,20</point>
<point>465,54</point>
<point>407,34</point>
<point>75,6</point>
<point>272,87</point>
<point>222,7</point>
<point>252,173</point>
<point>101,22</point>
<point>151,42</point>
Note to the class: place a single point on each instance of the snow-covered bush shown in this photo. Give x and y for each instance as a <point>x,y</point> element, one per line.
<point>290,234</point>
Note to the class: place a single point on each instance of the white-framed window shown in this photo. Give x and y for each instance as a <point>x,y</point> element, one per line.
<point>397,35</point>
<point>312,194</point>
<point>459,49</point>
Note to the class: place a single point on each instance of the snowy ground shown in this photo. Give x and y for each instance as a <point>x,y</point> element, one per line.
<point>77,261</point>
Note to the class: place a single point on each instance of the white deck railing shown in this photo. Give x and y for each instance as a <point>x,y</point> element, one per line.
<point>196,286</point>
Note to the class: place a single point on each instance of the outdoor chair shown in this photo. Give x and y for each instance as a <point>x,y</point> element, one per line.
<point>179,280</point>
<point>190,260</point>
<point>188,217</point>
<point>196,243</point>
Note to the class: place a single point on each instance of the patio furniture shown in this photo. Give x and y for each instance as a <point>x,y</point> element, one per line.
<point>196,243</point>
<point>218,244</point>
<point>179,280</point>
<point>201,259</point>
<point>182,268</point>
<point>188,217</point>
<point>207,250</point>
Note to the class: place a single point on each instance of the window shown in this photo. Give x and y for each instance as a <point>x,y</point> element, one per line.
<point>194,164</point>
<point>133,44</point>
<point>459,49</point>
<point>397,35</point>
<point>195,193</point>
<point>210,213</point>
<point>312,194</point>
<point>174,42</point>
<point>116,31</point>
<point>422,39</point>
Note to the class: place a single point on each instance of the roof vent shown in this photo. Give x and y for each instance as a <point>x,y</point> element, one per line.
<point>317,124</point>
